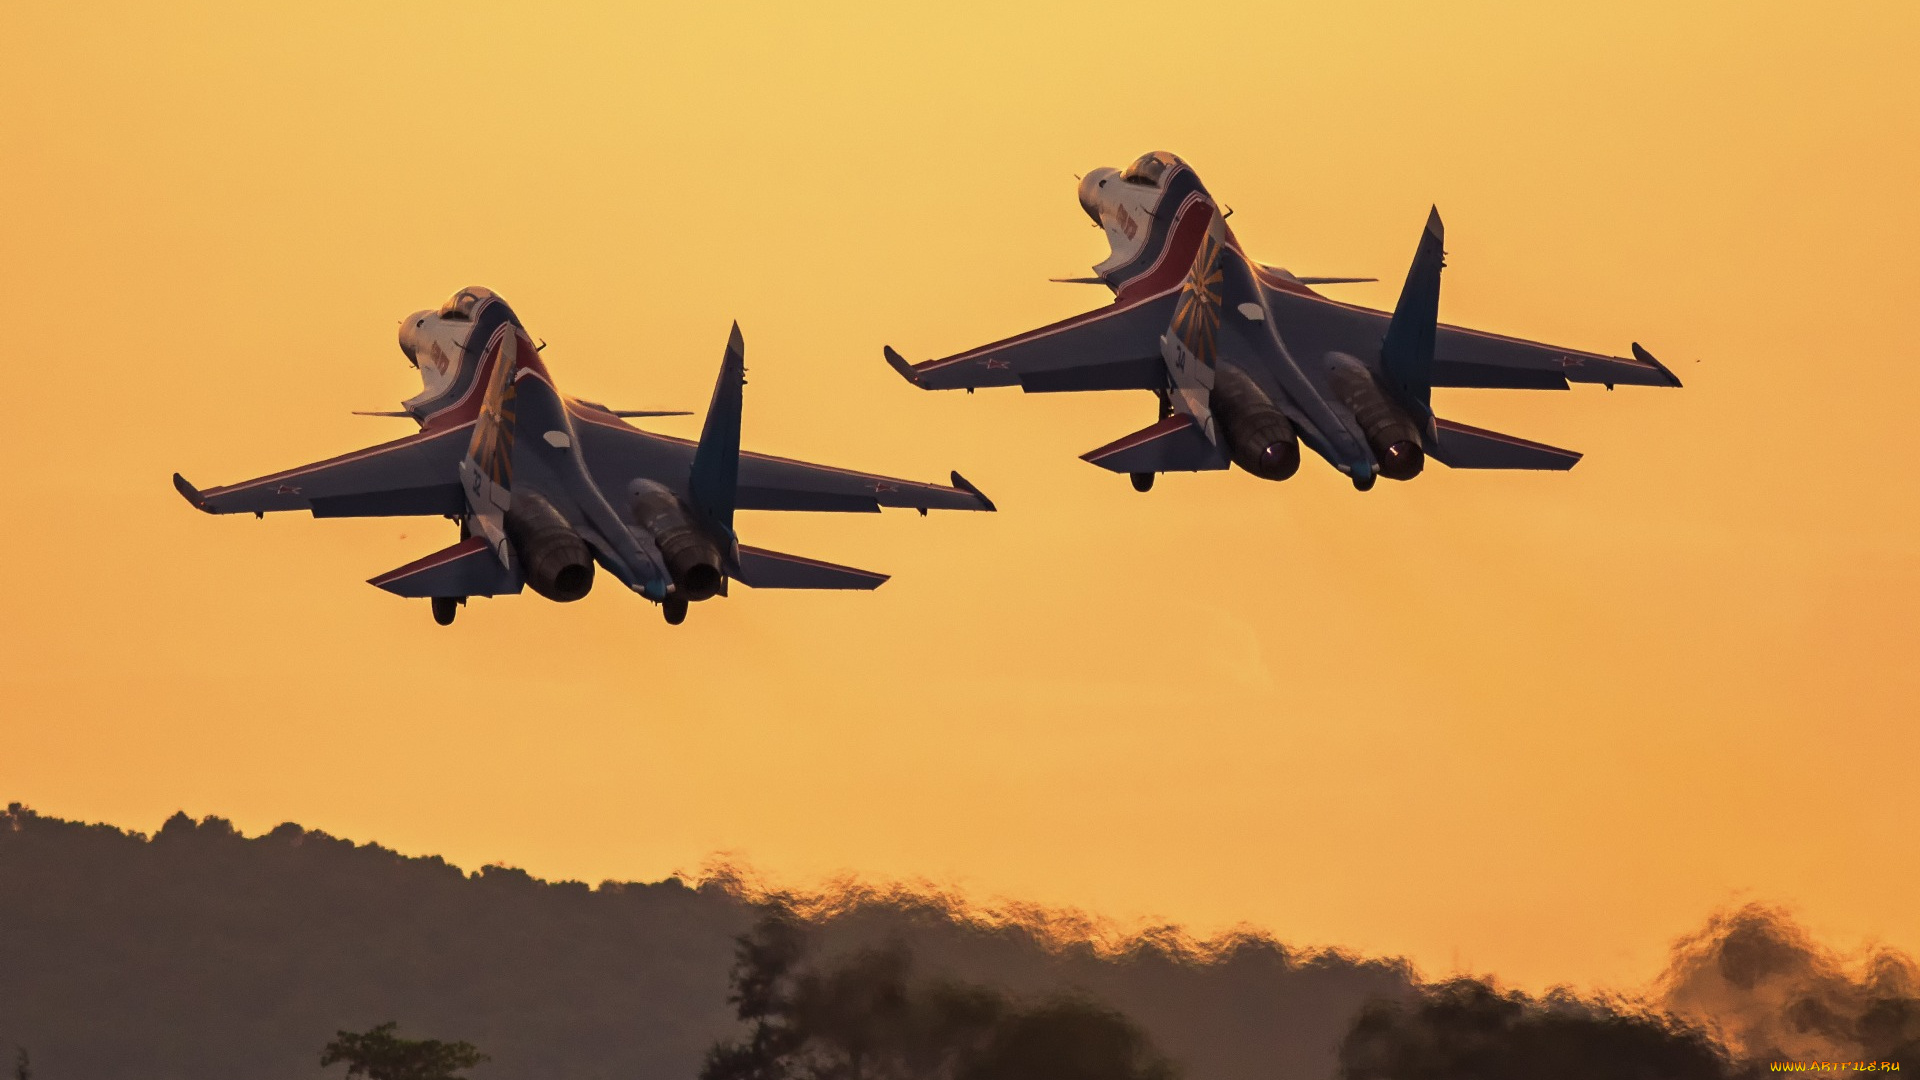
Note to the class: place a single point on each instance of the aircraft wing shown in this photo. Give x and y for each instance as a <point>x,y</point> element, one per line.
<point>617,453</point>
<point>1116,347</point>
<point>1312,326</point>
<point>415,476</point>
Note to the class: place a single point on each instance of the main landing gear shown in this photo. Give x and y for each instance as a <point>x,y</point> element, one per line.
<point>676,611</point>
<point>1142,481</point>
<point>446,607</point>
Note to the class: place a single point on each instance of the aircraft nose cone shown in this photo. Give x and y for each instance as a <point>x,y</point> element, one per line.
<point>410,328</point>
<point>1090,193</point>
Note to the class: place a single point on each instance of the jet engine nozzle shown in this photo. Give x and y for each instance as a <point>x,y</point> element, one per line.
<point>1391,434</point>
<point>693,557</point>
<point>553,559</point>
<point>1259,437</point>
<point>1402,461</point>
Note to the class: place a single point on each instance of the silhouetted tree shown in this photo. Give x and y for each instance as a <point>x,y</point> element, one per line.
<point>763,962</point>
<point>1889,1030</point>
<point>1467,1030</point>
<point>379,1054</point>
<point>1068,1039</point>
<point>866,1018</point>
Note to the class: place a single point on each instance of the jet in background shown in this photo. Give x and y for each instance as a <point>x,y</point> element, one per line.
<point>546,487</point>
<point>1249,362</point>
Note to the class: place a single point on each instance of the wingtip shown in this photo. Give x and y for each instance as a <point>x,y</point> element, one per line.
<point>962,483</point>
<point>1645,357</point>
<point>899,364</point>
<point>190,493</point>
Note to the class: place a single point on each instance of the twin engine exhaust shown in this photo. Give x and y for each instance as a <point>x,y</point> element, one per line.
<point>1260,439</point>
<point>557,564</point>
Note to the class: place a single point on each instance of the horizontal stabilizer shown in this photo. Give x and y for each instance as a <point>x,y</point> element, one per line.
<point>1175,444</point>
<point>1461,447</point>
<point>468,568</point>
<point>763,569</point>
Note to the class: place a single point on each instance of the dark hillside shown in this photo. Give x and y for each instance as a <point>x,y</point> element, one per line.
<point>199,954</point>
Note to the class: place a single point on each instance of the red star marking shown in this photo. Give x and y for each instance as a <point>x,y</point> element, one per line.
<point>880,487</point>
<point>991,363</point>
<point>1571,361</point>
<point>286,489</point>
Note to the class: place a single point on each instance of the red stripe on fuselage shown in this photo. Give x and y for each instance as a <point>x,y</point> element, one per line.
<point>1176,255</point>
<point>467,408</point>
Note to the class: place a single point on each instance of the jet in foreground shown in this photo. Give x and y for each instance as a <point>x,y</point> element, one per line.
<point>1249,362</point>
<point>546,487</point>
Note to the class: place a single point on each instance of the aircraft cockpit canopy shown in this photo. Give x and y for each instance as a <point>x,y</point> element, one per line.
<point>1147,169</point>
<point>461,306</point>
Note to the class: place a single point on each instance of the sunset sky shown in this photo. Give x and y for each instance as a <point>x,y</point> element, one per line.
<point>1531,724</point>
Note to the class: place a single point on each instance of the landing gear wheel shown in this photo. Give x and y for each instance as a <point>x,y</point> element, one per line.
<point>445,608</point>
<point>1363,483</point>
<point>1142,481</point>
<point>676,611</point>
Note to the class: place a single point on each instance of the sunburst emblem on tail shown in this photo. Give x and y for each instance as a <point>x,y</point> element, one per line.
<point>492,447</point>
<point>1197,315</point>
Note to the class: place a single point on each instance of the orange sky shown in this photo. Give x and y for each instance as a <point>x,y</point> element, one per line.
<point>1532,724</point>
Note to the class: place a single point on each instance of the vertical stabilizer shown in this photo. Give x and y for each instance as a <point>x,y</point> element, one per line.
<point>716,463</point>
<point>1406,354</point>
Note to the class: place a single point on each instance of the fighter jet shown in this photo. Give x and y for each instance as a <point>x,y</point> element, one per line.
<point>1249,361</point>
<point>545,487</point>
